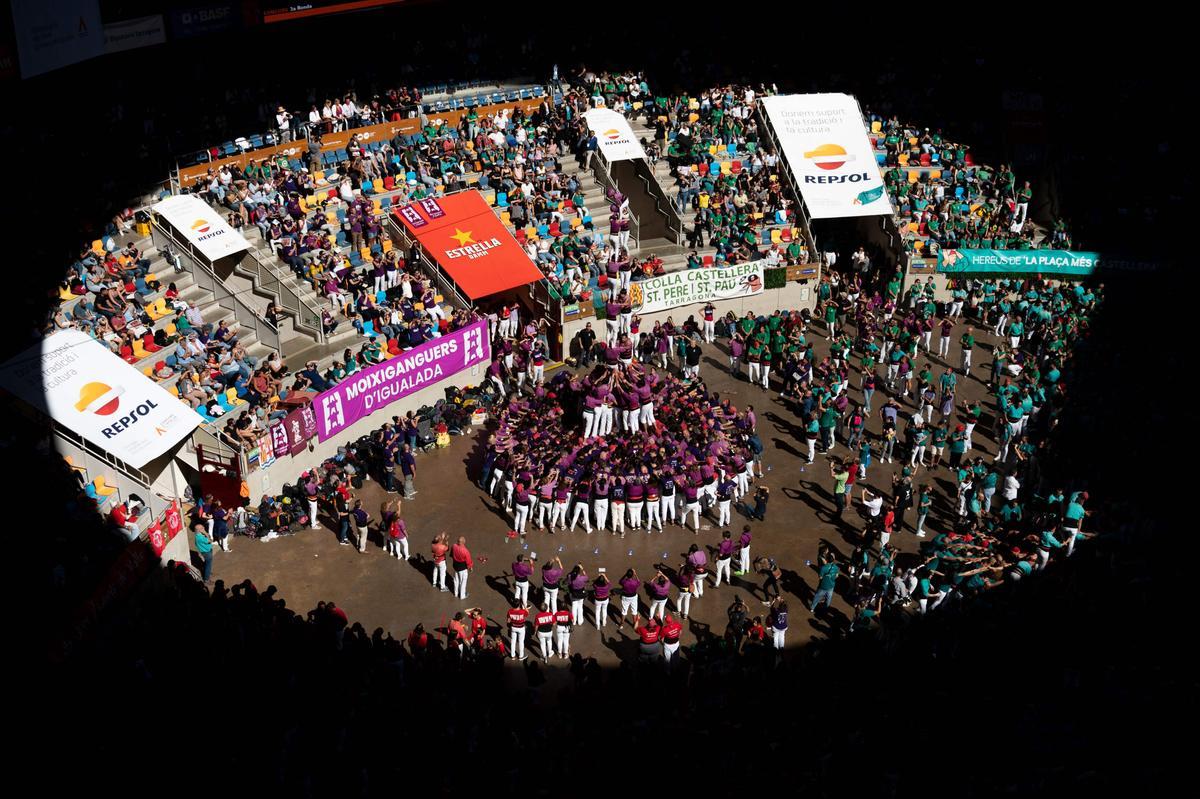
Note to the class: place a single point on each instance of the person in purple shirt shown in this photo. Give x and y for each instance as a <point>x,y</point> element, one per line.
<point>691,499</point>
<point>583,496</point>
<point>629,585</point>
<point>601,588</point>
<point>744,550</point>
<point>658,590</point>
<point>577,583</point>
<point>636,501</point>
<point>600,501</point>
<point>522,570</point>
<point>697,558</point>
<point>724,557</point>
<point>552,573</point>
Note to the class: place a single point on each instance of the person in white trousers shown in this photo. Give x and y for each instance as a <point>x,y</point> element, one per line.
<point>744,550</point>
<point>724,558</point>
<point>517,619</point>
<point>601,591</point>
<point>562,632</point>
<point>439,548</point>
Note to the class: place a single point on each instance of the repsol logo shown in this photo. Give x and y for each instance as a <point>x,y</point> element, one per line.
<point>854,177</point>
<point>128,420</point>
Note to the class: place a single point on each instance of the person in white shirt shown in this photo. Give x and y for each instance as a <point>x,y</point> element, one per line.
<point>1011,487</point>
<point>283,121</point>
<point>314,120</point>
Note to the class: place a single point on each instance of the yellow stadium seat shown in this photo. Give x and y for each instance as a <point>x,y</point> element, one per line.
<point>151,276</point>
<point>913,176</point>
<point>693,117</point>
<point>139,349</point>
<point>876,126</point>
<point>233,398</point>
<point>776,237</point>
<point>378,184</point>
<point>505,218</point>
<point>170,329</point>
<point>712,149</point>
<point>418,306</point>
<point>912,140</point>
<point>71,462</point>
<point>726,167</point>
<point>935,174</point>
<point>377,206</point>
<point>158,309</point>
<point>387,245</point>
<point>912,227</point>
<point>149,372</point>
<point>102,489</point>
<point>576,222</point>
<point>903,159</point>
<point>319,176</point>
<point>694,105</point>
<point>637,106</point>
<point>531,233</point>
<point>439,299</point>
<point>365,253</point>
<point>174,390</point>
<point>98,246</point>
<point>918,245</point>
<point>65,295</point>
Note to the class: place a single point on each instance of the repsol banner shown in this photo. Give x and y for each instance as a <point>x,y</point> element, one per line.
<point>826,146</point>
<point>690,286</point>
<point>82,385</point>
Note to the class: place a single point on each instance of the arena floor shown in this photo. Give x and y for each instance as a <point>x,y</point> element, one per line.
<point>379,591</point>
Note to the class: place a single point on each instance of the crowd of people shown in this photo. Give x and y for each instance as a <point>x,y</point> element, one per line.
<point>945,200</point>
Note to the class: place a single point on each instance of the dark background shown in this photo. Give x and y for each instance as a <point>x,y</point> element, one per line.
<point>1077,685</point>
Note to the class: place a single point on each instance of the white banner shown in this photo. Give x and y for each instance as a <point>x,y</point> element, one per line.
<point>825,144</point>
<point>617,140</point>
<point>691,286</point>
<point>78,382</point>
<point>202,226</point>
<point>51,35</point>
<point>130,34</point>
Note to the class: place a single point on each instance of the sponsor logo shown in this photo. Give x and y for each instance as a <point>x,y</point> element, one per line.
<point>612,133</point>
<point>829,156</point>
<point>99,399</point>
<point>204,230</point>
<point>201,226</point>
<point>951,257</point>
<point>103,400</point>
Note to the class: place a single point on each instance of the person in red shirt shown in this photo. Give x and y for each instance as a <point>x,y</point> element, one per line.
<point>478,627</point>
<point>517,618</point>
<point>670,632</point>
<point>650,633</point>
<point>543,622</point>
<point>418,641</point>
<point>756,633</point>
<point>463,564</point>
<point>439,548</point>
<point>562,631</point>
<point>456,634</point>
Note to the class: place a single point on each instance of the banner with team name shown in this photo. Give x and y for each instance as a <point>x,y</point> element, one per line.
<point>380,385</point>
<point>691,286</point>
<point>1050,263</point>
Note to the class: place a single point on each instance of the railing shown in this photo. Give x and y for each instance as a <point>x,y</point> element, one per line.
<point>662,202</point>
<point>206,279</point>
<point>786,171</point>
<point>267,277</point>
<point>208,446</point>
<point>604,177</point>
<point>138,481</point>
<point>446,286</point>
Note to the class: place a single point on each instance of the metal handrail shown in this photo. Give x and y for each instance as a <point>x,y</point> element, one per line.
<point>604,177</point>
<point>430,266</point>
<point>266,276</point>
<point>786,170</point>
<point>206,279</point>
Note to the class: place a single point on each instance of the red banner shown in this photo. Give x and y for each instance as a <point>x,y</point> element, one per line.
<point>462,233</point>
<point>165,529</point>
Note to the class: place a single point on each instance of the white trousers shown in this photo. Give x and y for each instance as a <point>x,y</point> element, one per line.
<point>600,509</point>
<point>722,568</point>
<point>601,613</point>
<point>439,575</point>
<point>581,511</point>
<point>516,642</point>
<point>460,583</point>
<point>668,510</point>
<point>522,593</point>
<point>577,611</point>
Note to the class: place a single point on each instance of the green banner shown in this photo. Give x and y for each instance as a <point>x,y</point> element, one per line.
<point>1046,262</point>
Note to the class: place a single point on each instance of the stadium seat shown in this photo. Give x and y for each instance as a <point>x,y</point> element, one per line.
<point>876,126</point>
<point>139,350</point>
<point>924,159</point>
<point>368,329</point>
<point>102,488</point>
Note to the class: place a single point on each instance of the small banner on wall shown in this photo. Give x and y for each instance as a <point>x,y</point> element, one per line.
<point>691,286</point>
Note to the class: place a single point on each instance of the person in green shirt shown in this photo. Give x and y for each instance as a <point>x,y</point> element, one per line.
<point>841,475</point>
<point>968,343</point>
<point>204,546</point>
<point>827,576</point>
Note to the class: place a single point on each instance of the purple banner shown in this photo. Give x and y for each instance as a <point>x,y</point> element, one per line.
<point>279,439</point>
<point>299,429</point>
<point>382,384</point>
